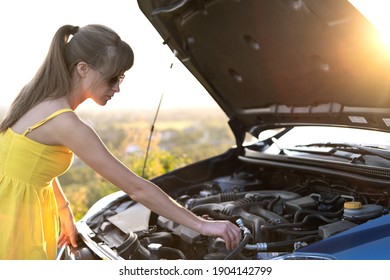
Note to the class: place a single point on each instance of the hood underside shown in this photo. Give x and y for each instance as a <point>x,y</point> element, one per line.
<point>271,63</point>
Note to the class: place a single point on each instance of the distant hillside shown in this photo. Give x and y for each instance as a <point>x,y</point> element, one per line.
<point>166,119</point>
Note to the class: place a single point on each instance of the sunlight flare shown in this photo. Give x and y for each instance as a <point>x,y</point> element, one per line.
<point>376,11</point>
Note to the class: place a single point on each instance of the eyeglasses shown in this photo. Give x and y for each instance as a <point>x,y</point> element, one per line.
<point>116,80</point>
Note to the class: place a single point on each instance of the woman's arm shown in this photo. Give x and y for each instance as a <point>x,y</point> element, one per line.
<point>86,144</point>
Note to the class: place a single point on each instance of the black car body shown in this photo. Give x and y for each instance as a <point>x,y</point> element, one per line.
<point>284,67</point>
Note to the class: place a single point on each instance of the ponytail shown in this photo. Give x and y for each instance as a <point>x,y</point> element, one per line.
<point>52,80</point>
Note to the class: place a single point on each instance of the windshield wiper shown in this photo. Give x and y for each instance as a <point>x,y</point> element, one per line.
<point>345,150</point>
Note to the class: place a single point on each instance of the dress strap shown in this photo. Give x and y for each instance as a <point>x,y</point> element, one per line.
<point>55,114</point>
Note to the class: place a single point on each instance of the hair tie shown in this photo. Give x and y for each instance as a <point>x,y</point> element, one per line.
<point>74,30</point>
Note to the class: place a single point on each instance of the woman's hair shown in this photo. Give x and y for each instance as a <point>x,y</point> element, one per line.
<point>97,45</point>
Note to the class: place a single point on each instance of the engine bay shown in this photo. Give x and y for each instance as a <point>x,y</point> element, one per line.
<point>277,213</point>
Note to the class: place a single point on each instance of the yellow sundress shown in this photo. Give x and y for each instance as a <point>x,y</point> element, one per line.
<point>29,224</point>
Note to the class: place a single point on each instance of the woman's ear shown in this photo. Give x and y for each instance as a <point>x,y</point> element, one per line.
<point>82,69</point>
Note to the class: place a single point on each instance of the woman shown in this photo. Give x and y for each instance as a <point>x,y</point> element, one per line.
<point>41,132</point>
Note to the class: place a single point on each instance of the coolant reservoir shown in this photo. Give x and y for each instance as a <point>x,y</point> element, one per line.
<point>355,211</point>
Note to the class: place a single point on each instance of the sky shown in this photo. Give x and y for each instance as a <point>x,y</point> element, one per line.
<point>27,28</point>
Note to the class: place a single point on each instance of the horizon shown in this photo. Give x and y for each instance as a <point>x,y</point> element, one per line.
<point>130,111</point>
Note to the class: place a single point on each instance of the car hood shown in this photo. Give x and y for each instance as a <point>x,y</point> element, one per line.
<point>282,62</point>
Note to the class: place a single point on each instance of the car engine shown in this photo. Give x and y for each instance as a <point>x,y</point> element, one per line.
<point>277,215</point>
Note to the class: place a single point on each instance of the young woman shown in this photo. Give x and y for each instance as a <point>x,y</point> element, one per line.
<point>41,132</point>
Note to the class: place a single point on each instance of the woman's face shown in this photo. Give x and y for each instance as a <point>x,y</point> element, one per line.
<point>102,90</point>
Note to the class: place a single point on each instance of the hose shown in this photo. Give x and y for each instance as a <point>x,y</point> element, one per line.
<point>272,246</point>
<point>310,211</point>
<point>173,250</point>
<point>295,225</point>
<point>241,247</point>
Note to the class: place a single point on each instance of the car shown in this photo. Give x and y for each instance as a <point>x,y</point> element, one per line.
<point>306,88</point>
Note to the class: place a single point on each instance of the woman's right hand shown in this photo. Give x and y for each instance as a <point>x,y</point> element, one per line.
<point>226,230</point>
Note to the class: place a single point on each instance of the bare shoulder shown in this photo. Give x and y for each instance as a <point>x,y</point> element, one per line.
<point>69,122</point>
<point>70,129</point>
<point>68,118</point>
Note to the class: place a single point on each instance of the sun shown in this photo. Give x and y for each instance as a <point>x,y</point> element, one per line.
<point>386,35</point>
<point>376,11</point>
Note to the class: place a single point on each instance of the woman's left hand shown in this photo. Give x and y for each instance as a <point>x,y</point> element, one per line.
<point>69,231</point>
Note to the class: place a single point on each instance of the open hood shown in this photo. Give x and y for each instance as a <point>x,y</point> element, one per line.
<point>271,63</point>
